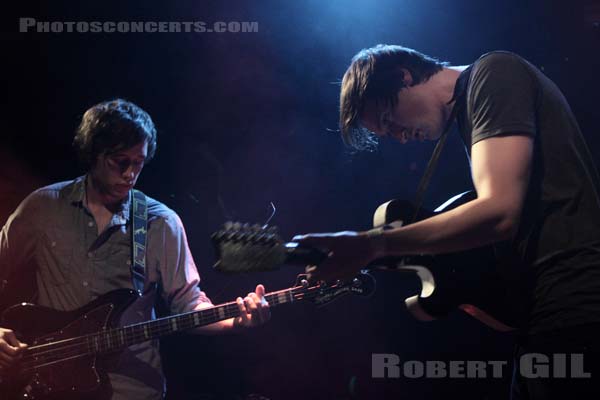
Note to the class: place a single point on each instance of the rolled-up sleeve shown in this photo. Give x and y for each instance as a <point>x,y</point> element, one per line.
<point>18,239</point>
<point>179,278</point>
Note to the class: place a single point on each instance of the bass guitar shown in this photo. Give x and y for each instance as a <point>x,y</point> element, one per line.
<point>66,349</point>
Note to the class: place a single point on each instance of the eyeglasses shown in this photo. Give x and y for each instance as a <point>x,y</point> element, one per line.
<point>122,163</point>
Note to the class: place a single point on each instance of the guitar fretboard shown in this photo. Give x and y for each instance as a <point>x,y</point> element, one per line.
<point>111,340</point>
<point>116,339</point>
<point>49,354</point>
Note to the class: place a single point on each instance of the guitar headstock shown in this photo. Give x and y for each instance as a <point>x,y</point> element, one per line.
<point>244,248</point>
<point>320,294</point>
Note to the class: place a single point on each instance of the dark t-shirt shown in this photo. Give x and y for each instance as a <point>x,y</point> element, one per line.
<point>558,240</point>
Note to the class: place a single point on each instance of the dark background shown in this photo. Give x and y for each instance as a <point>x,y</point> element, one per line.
<point>249,118</point>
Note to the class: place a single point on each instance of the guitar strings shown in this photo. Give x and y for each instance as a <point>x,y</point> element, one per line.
<point>162,326</point>
<point>70,348</point>
<point>63,352</point>
<point>113,333</point>
<point>101,342</point>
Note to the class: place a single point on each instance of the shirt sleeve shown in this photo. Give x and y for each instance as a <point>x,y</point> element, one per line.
<point>501,97</point>
<point>179,278</point>
<point>18,239</point>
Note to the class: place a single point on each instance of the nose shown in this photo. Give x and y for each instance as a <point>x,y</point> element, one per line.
<point>129,173</point>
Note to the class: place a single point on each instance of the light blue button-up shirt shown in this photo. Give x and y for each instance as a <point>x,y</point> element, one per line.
<point>53,232</point>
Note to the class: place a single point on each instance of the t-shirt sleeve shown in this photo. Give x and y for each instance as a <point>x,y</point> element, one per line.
<point>501,97</point>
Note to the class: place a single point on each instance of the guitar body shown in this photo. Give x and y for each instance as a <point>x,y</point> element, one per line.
<point>471,280</point>
<point>74,378</point>
<point>69,353</point>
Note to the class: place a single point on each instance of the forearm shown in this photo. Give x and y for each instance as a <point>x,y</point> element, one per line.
<point>476,223</point>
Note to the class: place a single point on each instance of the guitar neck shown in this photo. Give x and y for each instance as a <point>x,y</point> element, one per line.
<point>47,354</point>
<point>116,339</point>
<point>302,255</point>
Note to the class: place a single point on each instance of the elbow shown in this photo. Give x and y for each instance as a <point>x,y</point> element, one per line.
<point>503,218</point>
<point>506,226</point>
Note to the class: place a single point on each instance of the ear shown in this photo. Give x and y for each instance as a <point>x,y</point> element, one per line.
<point>407,76</point>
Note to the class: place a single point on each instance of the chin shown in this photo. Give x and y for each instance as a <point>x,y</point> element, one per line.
<point>119,194</point>
<point>434,136</point>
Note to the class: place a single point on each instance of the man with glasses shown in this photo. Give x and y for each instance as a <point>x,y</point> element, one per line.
<point>76,236</point>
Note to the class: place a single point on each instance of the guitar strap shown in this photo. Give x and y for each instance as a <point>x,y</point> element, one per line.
<point>139,218</point>
<point>458,98</point>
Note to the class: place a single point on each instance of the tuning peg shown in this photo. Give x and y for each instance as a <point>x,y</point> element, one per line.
<point>254,237</point>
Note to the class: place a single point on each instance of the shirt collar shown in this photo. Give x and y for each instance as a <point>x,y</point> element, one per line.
<point>75,194</point>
